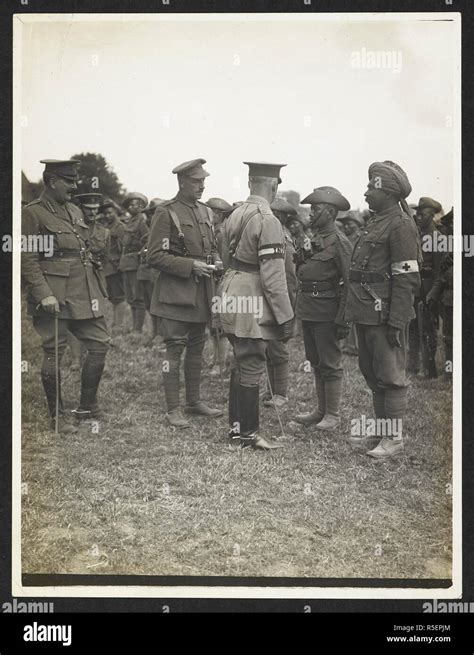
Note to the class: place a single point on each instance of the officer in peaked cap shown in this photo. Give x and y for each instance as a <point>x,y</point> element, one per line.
<point>383,281</point>
<point>277,353</point>
<point>64,285</point>
<point>426,210</point>
<point>89,203</point>
<point>253,250</point>
<point>182,247</point>
<point>146,274</point>
<point>134,238</point>
<point>322,268</point>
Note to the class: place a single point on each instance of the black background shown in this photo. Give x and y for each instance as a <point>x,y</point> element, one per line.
<point>348,624</point>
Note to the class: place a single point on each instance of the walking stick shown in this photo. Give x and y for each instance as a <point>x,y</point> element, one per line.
<point>219,358</point>
<point>56,370</point>
<point>273,400</point>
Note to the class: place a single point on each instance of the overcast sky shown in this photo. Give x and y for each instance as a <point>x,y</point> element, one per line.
<point>149,95</point>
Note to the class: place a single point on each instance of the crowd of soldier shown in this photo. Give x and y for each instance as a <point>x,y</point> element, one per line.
<point>354,280</point>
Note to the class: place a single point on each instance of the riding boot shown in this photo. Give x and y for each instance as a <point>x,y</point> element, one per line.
<point>234,423</point>
<point>90,379</point>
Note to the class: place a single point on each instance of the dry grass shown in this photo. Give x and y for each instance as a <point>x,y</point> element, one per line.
<point>138,498</point>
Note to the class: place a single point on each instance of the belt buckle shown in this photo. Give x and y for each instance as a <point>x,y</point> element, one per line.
<point>83,256</point>
<point>314,293</point>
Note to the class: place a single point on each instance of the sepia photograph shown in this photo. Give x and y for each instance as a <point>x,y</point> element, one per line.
<point>236,317</point>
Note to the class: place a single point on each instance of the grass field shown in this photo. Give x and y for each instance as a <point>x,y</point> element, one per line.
<point>130,495</point>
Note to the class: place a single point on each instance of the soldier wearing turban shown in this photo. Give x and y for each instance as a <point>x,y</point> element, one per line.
<point>383,281</point>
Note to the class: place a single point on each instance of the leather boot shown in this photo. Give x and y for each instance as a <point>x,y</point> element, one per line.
<point>332,393</point>
<point>234,424</point>
<point>317,414</point>
<point>75,346</point>
<point>249,420</point>
<point>90,379</point>
<point>48,378</point>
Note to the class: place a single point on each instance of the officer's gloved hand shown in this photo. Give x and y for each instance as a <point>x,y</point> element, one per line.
<point>341,331</point>
<point>287,329</point>
<point>393,337</point>
<point>50,305</point>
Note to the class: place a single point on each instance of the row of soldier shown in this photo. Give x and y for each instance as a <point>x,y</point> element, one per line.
<point>173,258</point>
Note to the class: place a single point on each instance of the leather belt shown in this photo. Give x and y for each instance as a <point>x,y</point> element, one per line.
<point>83,255</point>
<point>367,276</point>
<point>244,267</point>
<point>314,286</point>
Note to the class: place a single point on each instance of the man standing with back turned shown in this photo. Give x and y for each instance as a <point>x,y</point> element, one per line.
<point>383,280</point>
<point>253,251</point>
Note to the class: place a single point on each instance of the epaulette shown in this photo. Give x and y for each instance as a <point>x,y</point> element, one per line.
<point>266,211</point>
<point>166,202</point>
<point>33,202</point>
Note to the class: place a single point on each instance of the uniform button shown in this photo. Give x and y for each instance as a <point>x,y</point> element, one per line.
<point>359,247</point>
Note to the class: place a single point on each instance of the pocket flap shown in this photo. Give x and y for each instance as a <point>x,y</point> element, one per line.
<point>324,255</point>
<point>55,268</point>
<point>56,229</point>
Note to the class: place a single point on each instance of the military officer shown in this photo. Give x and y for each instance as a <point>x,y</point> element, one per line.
<point>89,203</point>
<point>145,273</point>
<point>134,238</point>
<point>383,281</point>
<point>322,269</point>
<point>66,286</point>
<point>442,292</point>
<point>255,306</point>
<point>111,259</point>
<point>182,247</point>
<point>426,210</point>
<point>277,354</point>
<point>352,224</point>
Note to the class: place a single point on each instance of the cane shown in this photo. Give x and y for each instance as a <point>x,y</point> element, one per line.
<point>56,371</point>
<point>273,400</point>
<point>219,358</point>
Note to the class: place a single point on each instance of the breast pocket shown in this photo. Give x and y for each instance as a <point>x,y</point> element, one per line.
<point>63,238</point>
<point>56,275</point>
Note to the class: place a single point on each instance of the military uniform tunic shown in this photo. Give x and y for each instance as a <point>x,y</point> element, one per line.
<point>322,297</point>
<point>178,294</point>
<point>383,280</point>
<point>69,274</point>
<point>384,266</point>
<point>260,256</point>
